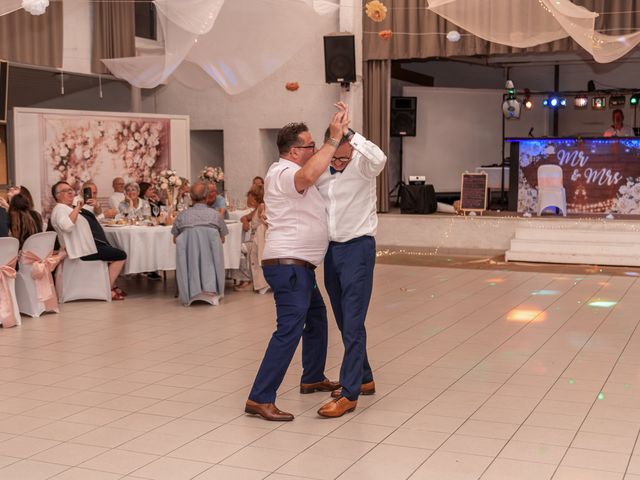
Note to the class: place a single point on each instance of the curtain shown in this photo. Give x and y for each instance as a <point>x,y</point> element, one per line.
<point>35,40</point>
<point>113,33</point>
<point>419,33</point>
<point>376,81</point>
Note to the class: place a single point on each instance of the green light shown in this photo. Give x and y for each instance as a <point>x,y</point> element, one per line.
<point>571,381</point>
<point>492,284</point>
<point>602,304</point>
<point>545,292</point>
<point>601,396</point>
<point>634,99</point>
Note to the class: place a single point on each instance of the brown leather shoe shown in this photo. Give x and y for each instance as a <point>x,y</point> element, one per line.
<point>325,385</point>
<point>337,407</point>
<point>268,411</point>
<point>365,389</point>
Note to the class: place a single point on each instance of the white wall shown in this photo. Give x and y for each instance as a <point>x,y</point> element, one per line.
<point>268,106</point>
<point>457,130</point>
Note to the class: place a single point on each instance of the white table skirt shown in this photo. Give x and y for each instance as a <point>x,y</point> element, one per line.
<point>152,248</point>
<point>238,214</point>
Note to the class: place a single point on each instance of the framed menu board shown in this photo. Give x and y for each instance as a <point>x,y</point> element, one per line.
<point>473,192</point>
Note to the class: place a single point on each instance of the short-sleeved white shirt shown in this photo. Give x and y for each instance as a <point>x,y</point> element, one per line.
<point>297,222</point>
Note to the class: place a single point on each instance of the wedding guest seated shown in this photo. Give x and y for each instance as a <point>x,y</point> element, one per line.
<point>149,193</point>
<point>76,236</point>
<point>117,197</point>
<point>217,201</point>
<point>93,205</point>
<point>250,271</point>
<point>91,211</point>
<point>199,213</point>
<point>133,204</point>
<point>23,220</point>
<point>198,233</point>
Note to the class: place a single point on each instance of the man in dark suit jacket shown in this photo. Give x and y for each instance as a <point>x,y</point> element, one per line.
<point>4,223</point>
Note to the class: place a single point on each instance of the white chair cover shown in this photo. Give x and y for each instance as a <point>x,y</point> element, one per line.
<point>200,265</point>
<point>41,244</point>
<point>551,192</point>
<point>80,280</point>
<point>9,311</point>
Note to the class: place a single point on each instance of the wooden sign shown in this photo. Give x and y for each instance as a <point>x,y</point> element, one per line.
<point>473,192</point>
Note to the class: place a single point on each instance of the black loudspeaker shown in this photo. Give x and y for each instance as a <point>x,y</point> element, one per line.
<point>339,59</point>
<point>4,86</point>
<point>419,199</point>
<point>403,116</point>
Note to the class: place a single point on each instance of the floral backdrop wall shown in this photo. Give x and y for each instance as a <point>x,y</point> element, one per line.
<point>97,148</point>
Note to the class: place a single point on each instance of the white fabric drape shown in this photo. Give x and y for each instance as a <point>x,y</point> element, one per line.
<point>235,43</point>
<point>526,23</point>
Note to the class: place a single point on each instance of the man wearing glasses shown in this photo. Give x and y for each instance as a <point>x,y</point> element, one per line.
<point>349,191</point>
<point>295,244</point>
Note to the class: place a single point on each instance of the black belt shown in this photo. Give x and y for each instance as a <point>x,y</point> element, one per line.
<point>288,261</point>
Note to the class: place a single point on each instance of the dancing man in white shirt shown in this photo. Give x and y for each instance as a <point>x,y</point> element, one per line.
<point>295,244</point>
<point>349,190</point>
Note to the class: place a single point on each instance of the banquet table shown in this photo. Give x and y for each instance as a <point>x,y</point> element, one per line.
<point>152,248</point>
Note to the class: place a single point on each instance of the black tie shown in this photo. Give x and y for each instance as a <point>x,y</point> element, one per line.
<point>332,170</point>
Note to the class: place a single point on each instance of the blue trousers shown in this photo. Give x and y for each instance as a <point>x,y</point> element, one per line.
<point>301,313</point>
<point>348,278</point>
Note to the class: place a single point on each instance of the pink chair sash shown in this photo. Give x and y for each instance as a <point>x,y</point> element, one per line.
<point>41,273</point>
<point>7,312</point>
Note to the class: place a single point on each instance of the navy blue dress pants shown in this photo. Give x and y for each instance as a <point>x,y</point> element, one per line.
<point>348,278</point>
<point>301,313</point>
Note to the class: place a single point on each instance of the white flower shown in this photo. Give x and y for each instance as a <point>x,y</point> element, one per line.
<point>87,154</point>
<point>137,136</point>
<point>61,168</point>
<point>172,179</point>
<point>221,177</point>
<point>635,190</point>
<point>624,190</point>
<point>149,161</point>
<point>625,205</point>
<point>131,145</point>
<point>164,186</point>
<point>178,182</point>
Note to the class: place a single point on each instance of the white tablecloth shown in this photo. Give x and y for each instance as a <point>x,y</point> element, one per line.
<point>238,214</point>
<point>152,248</point>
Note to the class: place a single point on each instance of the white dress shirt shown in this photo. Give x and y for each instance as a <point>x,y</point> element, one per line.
<point>625,131</point>
<point>297,221</point>
<point>116,199</point>
<point>350,195</point>
<point>76,238</point>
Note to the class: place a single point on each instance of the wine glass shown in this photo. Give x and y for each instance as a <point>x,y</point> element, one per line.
<point>155,210</point>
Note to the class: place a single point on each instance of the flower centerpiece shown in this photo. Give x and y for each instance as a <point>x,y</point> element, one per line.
<point>212,174</point>
<point>167,182</point>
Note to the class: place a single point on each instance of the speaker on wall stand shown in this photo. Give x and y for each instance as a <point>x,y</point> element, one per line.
<point>403,116</point>
<point>340,59</point>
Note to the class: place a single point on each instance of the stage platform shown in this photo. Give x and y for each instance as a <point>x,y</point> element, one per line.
<point>576,239</point>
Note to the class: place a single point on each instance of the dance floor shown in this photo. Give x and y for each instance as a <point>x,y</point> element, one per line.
<point>480,374</point>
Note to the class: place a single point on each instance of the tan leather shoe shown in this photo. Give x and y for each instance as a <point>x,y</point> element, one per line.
<point>365,389</point>
<point>337,407</point>
<point>325,385</point>
<point>268,411</point>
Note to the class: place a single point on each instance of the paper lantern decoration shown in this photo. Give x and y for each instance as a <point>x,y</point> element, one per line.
<point>376,10</point>
<point>292,86</point>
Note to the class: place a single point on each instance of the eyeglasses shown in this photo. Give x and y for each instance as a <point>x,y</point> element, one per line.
<point>341,159</point>
<point>311,145</point>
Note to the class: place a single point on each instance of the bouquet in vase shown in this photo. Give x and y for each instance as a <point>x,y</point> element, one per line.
<point>167,182</point>
<point>212,174</point>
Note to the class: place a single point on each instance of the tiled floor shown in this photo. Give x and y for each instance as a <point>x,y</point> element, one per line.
<point>480,375</point>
